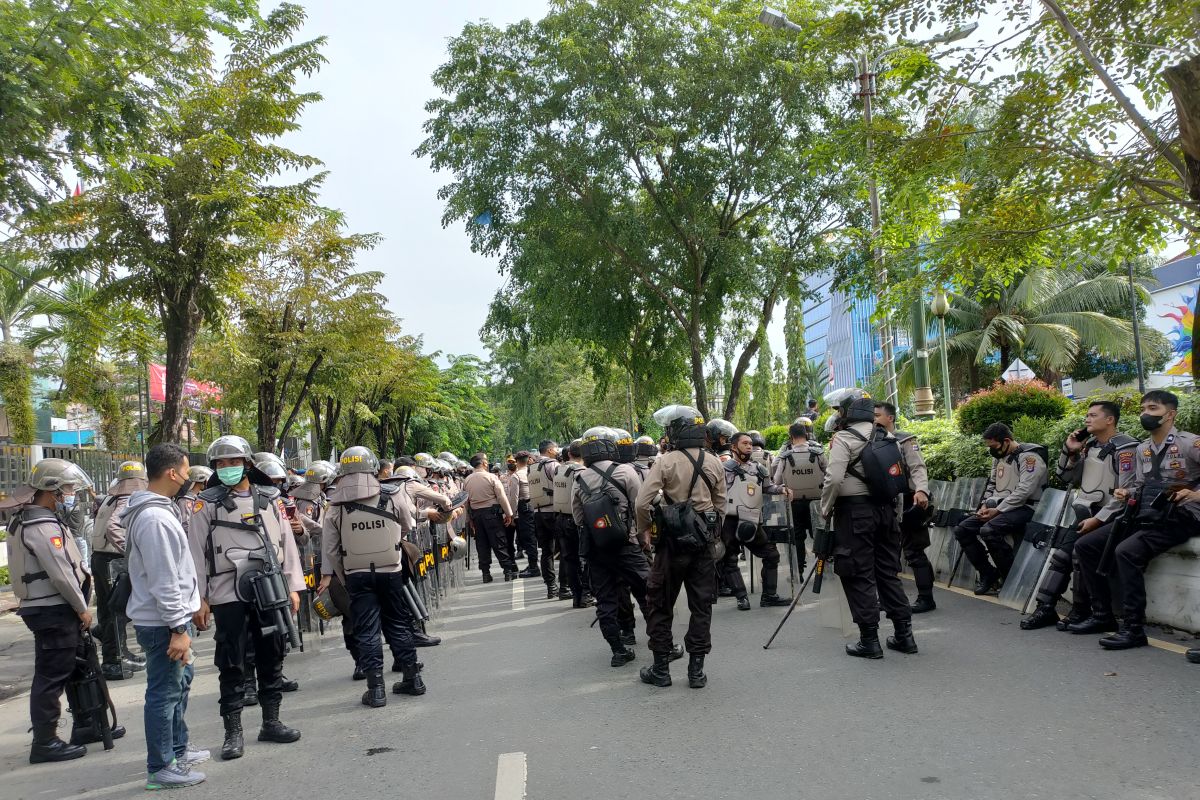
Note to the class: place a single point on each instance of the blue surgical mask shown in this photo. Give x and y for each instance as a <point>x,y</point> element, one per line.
<point>68,502</point>
<point>231,476</point>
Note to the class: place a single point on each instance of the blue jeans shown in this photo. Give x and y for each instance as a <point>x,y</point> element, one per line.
<point>167,685</point>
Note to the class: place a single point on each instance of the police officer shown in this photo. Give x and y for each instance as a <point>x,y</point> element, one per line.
<point>108,564</point>
<point>570,580</point>
<point>52,583</point>
<point>427,505</point>
<point>914,518</point>
<point>1166,470</point>
<point>627,454</point>
<point>647,451</point>
<point>490,512</point>
<point>1097,460</point>
<point>602,497</point>
<point>801,468</point>
<point>361,535</point>
<point>746,481</point>
<point>758,451</point>
<point>1013,490</point>
<point>862,501</point>
<point>233,522</point>
<point>541,499</point>
<point>692,483</point>
<point>198,476</point>
<point>719,433</point>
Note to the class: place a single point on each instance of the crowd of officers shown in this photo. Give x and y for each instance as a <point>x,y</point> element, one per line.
<point>609,521</point>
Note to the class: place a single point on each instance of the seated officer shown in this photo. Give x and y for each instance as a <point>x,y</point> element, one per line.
<point>1013,490</point>
<point>1166,472</point>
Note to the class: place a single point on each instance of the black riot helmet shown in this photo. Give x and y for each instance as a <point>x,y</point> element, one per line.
<point>683,425</point>
<point>646,447</point>
<point>598,444</point>
<point>756,439</point>
<point>626,449</point>
<point>720,434</point>
<point>860,410</point>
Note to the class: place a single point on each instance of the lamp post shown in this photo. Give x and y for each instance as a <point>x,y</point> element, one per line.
<point>867,70</point>
<point>940,308</point>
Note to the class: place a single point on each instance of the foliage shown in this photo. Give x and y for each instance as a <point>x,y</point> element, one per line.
<point>949,453</point>
<point>16,385</point>
<point>1005,402</point>
<point>4,578</point>
<point>776,436</point>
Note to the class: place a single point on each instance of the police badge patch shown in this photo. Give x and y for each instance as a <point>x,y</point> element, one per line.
<point>1125,461</point>
<point>1030,464</point>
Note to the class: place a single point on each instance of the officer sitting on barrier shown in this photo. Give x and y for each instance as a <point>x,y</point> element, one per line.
<point>1014,487</point>
<point>745,483</point>
<point>801,468</point>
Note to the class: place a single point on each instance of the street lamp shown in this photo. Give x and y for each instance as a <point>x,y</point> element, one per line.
<point>940,308</point>
<point>774,18</point>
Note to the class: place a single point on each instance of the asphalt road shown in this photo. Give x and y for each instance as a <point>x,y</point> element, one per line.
<point>521,699</point>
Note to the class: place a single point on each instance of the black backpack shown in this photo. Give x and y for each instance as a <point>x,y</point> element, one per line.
<point>679,523</point>
<point>605,527</point>
<point>882,465</point>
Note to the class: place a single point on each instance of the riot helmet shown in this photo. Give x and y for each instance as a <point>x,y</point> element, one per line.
<point>720,433</point>
<point>357,459</point>
<point>442,467</point>
<point>405,474</point>
<point>261,456</point>
<point>598,444</point>
<point>646,447</point>
<point>424,460</point>
<point>294,480</point>
<point>756,439</point>
<point>230,447</point>
<point>198,473</point>
<point>58,474</point>
<point>134,470</point>
<point>447,456</point>
<point>683,425</point>
<point>321,473</point>
<point>626,449</point>
<point>274,471</point>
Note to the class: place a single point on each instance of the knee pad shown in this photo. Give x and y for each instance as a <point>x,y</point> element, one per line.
<point>1060,561</point>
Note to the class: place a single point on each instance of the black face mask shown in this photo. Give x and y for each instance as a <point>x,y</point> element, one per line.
<point>996,452</point>
<point>1151,422</point>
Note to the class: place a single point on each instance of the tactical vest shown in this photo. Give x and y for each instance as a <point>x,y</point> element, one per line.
<point>29,580</point>
<point>238,529</point>
<point>1006,474</point>
<point>760,456</point>
<point>310,507</point>
<point>743,497</point>
<point>802,472</point>
<point>541,487</point>
<point>1101,467</point>
<point>562,487</point>
<point>371,533</point>
<point>100,542</point>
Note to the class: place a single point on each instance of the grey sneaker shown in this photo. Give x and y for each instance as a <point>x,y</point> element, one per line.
<point>193,757</point>
<point>176,776</point>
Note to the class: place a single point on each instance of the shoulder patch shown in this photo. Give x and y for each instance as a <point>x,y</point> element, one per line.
<point>197,506</point>
<point>1030,463</point>
<point>57,541</point>
<point>916,446</point>
<point>1126,461</point>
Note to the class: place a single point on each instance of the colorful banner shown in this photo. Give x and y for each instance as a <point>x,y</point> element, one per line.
<point>194,392</point>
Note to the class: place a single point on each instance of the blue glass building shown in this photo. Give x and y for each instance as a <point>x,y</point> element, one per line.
<point>838,332</point>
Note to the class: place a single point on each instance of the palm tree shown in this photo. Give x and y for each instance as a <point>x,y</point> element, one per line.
<point>19,279</point>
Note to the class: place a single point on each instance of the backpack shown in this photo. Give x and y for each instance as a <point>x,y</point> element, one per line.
<point>604,524</point>
<point>678,522</point>
<point>882,465</point>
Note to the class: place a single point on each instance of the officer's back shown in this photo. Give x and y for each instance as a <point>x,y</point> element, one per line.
<point>672,473</point>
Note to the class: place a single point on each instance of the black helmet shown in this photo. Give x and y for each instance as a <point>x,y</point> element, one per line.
<point>598,444</point>
<point>646,447</point>
<point>720,433</point>
<point>756,439</point>
<point>626,450</point>
<point>683,425</point>
<point>860,410</point>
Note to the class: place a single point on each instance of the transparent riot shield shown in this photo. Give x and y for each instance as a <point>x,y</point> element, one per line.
<point>1033,550</point>
<point>832,609</point>
<point>940,493</point>
<point>962,573</point>
<point>777,526</point>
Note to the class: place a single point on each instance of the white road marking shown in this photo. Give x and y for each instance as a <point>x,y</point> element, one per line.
<point>518,602</point>
<point>510,776</point>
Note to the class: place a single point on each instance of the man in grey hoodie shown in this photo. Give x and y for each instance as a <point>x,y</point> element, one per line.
<point>165,595</point>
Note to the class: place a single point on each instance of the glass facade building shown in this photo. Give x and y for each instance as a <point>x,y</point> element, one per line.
<point>839,332</point>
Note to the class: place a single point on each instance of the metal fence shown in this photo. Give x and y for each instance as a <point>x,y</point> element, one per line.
<point>16,462</point>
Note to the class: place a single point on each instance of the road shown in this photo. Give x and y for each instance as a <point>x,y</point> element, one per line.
<point>521,699</point>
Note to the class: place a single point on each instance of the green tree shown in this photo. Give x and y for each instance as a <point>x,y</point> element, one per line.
<point>189,215</point>
<point>797,357</point>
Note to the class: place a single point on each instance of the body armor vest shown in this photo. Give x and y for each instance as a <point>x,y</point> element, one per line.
<point>371,533</point>
<point>104,515</point>
<point>239,526</point>
<point>541,487</point>
<point>743,497</point>
<point>1007,472</point>
<point>760,456</point>
<point>30,581</point>
<point>802,472</point>
<point>563,479</point>
<point>1100,469</point>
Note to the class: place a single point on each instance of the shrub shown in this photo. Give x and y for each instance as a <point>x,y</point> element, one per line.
<point>4,579</point>
<point>1006,402</point>
<point>819,425</point>
<point>775,435</point>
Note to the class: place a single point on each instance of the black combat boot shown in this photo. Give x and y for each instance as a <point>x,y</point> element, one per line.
<point>412,683</point>
<point>422,639</point>
<point>1193,655</point>
<point>743,603</point>
<point>660,673</point>
<point>233,746</point>
<point>376,694</point>
<point>772,601</point>
<point>288,685</point>
<point>924,604</point>
<point>487,577</point>
<point>677,652</point>
<point>47,747</point>
<point>87,734</point>
<point>629,638</point>
<point>867,645</point>
<point>987,582</point>
<point>250,692</point>
<point>358,675</point>
<point>116,672</point>
<point>530,572</point>
<point>272,729</point>
<point>696,677</point>
<point>621,655</point>
<point>551,591</point>
<point>1131,635</point>
<point>1078,614</point>
<point>1042,617</point>
<point>903,641</point>
<point>564,592</point>
<point>511,575</point>
<point>1095,624</point>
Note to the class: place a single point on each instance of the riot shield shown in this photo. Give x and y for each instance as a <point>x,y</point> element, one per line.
<point>940,493</point>
<point>1033,550</point>
<point>962,573</point>
<point>832,609</point>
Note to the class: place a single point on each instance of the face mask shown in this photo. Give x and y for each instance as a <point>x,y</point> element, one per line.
<point>230,476</point>
<point>1151,422</point>
<point>997,452</point>
<point>68,503</point>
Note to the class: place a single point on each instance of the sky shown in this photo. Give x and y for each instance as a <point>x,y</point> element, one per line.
<point>381,54</point>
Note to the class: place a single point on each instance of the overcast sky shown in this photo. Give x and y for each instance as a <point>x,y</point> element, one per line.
<point>381,55</point>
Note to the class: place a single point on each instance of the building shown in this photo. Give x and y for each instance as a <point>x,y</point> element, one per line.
<point>839,332</point>
<point>1171,310</point>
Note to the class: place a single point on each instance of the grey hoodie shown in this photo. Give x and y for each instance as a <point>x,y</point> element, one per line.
<point>162,575</point>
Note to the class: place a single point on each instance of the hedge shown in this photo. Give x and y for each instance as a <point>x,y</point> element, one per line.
<point>1008,402</point>
<point>776,436</point>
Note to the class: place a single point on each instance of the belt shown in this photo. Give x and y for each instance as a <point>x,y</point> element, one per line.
<point>859,500</point>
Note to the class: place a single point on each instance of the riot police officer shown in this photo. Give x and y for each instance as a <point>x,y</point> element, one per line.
<point>692,484</point>
<point>719,433</point>
<point>198,476</point>
<point>746,481</point>
<point>914,517</point>
<point>1014,487</point>
<point>759,453</point>
<point>52,583</point>
<point>361,534</point>
<point>1097,460</point>
<point>541,499</point>
<point>801,468</point>
<point>864,480</point>
<point>233,522</point>
<point>108,564</point>
<point>570,579</point>
<point>490,512</point>
<point>602,497</point>
<point>647,451</point>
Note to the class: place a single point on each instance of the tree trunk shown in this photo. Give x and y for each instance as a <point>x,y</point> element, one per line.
<point>1184,81</point>
<point>181,324</point>
<point>697,356</point>
<point>739,376</point>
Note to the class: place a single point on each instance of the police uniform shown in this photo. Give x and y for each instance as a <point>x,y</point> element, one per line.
<point>52,583</point>
<point>867,548</point>
<point>1014,488</point>
<point>745,484</point>
<point>914,527</point>
<point>616,571</point>
<point>1158,468</point>
<point>1096,471</point>
<point>488,504</point>
<point>362,531</point>
<point>545,520</point>
<point>801,468</point>
<point>570,582</point>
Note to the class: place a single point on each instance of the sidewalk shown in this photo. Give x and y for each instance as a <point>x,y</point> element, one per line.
<point>16,651</point>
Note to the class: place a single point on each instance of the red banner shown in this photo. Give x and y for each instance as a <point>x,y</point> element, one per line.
<point>192,390</point>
